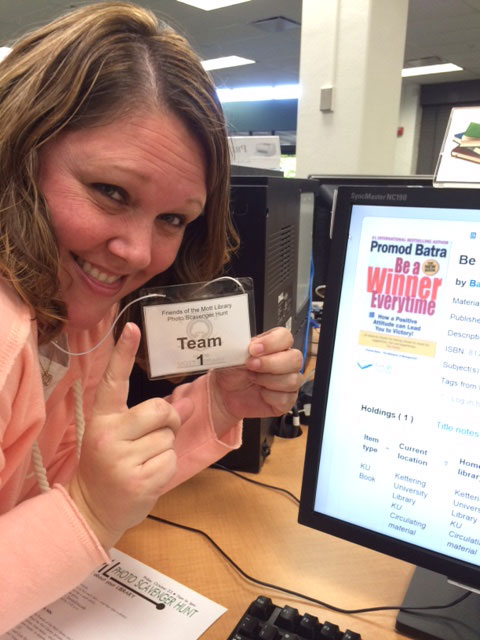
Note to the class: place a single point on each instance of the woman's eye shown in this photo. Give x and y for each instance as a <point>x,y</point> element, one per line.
<point>111,191</point>
<point>172,219</point>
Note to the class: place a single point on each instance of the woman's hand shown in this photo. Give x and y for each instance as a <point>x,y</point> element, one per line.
<point>268,383</point>
<point>127,454</point>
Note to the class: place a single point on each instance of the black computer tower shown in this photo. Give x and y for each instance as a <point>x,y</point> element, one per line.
<point>274,219</point>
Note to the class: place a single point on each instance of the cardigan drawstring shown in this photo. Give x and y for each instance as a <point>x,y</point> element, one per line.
<point>37,458</point>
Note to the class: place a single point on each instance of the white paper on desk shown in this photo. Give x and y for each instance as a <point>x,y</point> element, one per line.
<point>122,600</point>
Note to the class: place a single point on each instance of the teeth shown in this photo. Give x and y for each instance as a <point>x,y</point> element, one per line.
<point>93,272</point>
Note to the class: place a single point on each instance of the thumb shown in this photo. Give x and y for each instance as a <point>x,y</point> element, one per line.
<point>112,392</point>
<point>184,408</point>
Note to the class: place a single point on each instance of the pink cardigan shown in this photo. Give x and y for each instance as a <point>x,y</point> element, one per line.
<point>46,547</point>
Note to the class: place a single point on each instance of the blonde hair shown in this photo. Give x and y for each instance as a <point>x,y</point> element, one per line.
<point>87,68</point>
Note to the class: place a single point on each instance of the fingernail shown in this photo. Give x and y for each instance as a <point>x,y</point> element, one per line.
<point>256,348</point>
<point>127,332</point>
<point>254,363</point>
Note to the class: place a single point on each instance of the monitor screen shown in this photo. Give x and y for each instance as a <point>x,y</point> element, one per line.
<point>397,467</point>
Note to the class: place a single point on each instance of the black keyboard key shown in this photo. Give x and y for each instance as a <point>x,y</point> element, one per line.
<point>262,607</point>
<point>269,632</point>
<point>248,626</point>
<point>288,618</point>
<point>330,631</point>
<point>308,627</point>
<point>351,635</point>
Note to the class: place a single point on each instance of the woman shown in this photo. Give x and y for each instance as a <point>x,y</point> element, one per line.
<point>114,169</point>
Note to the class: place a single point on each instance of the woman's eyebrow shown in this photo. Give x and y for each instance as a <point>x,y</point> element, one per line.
<point>127,169</point>
<point>198,202</point>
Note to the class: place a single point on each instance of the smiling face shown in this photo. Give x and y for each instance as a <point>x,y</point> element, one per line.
<point>120,196</point>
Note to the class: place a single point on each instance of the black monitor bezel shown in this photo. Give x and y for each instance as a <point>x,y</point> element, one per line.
<point>457,570</point>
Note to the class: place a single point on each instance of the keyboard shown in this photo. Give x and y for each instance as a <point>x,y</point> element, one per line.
<point>264,620</point>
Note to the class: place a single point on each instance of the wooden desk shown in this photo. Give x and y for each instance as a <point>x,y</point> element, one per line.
<point>258,528</point>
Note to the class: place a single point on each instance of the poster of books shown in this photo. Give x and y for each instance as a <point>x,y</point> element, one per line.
<point>459,160</point>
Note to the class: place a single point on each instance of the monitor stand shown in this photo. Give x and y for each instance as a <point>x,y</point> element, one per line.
<point>461,622</point>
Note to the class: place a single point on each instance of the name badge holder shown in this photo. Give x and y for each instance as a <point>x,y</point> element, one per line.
<point>191,328</point>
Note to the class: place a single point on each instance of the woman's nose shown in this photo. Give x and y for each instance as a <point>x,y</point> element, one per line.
<point>133,244</point>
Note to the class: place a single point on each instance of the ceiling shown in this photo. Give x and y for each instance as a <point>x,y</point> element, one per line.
<point>448,29</point>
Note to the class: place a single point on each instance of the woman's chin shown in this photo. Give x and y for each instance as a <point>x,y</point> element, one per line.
<point>82,320</point>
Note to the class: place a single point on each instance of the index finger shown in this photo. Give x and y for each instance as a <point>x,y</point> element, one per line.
<point>277,339</point>
<point>112,392</point>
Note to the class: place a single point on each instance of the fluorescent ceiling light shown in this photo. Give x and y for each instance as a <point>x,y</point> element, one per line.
<point>431,68</point>
<point>254,94</point>
<point>209,5</point>
<point>227,61</point>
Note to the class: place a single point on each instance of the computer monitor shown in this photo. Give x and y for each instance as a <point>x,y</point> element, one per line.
<point>393,450</point>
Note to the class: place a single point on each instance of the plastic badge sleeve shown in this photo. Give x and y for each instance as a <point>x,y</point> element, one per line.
<point>196,327</point>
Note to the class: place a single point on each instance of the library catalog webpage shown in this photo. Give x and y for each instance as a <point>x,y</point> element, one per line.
<point>401,444</point>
